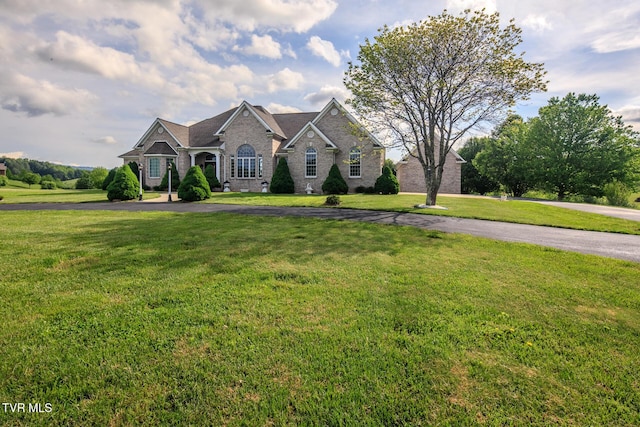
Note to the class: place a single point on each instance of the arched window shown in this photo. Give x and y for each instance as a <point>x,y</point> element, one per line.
<point>311,163</point>
<point>354,163</point>
<point>246,161</point>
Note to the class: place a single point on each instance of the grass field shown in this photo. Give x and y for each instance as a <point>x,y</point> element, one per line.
<point>36,195</point>
<point>118,318</point>
<point>516,211</point>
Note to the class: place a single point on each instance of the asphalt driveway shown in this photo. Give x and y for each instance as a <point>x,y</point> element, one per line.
<point>620,246</point>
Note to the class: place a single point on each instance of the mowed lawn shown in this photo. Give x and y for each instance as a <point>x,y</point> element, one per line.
<point>117,318</point>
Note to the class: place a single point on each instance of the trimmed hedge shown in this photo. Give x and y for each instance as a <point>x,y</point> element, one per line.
<point>194,186</point>
<point>335,183</point>
<point>124,186</point>
<point>387,183</point>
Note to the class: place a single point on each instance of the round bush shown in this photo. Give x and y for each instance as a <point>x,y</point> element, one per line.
<point>48,185</point>
<point>194,186</point>
<point>124,186</point>
<point>335,184</point>
<point>387,183</point>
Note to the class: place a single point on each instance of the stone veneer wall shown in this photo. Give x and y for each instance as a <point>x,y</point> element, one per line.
<point>411,176</point>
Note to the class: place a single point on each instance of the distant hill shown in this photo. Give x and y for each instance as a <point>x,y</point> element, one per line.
<point>17,167</point>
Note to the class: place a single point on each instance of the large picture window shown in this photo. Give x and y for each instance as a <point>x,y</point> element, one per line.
<point>354,163</point>
<point>311,163</point>
<point>246,162</point>
<point>154,167</point>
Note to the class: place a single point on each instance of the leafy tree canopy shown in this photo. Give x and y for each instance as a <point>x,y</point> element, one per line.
<point>424,86</point>
<point>580,146</point>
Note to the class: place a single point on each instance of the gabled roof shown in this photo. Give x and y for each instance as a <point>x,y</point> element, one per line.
<point>204,133</point>
<point>335,104</point>
<point>262,115</point>
<point>309,127</point>
<point>291,123</point>
<point>129,154</point>
<point>178,132</point>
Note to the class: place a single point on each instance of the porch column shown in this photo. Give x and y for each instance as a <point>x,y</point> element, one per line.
<point>193,159</point>
<point>218,166</point>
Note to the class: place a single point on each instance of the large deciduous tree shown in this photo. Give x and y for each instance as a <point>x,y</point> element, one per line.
<point>581,146</point>
<point>428,84</point>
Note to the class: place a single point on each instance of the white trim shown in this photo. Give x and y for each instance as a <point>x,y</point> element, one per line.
<point>158,121</point>
<point>235,114</point>
<point>303,131</point>
<point>335,104</point>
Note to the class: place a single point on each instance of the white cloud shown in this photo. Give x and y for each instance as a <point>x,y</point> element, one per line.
<point>263,46</point>
<point>276,108</point>
<point>324,49</point>
<point>22,94</point>
<point>325,94</point>
<point>282,15</point>
<point>14,155</point>
<point>105,140</point>
<point>537,23</point>
<point>284,80</point>
<point>76,53</point>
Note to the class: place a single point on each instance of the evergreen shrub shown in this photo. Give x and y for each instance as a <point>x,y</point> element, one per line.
<point>282,183</point>
<point>387,183</point>
<point>124,186</point>
<point>335,184</point>
<point>194,186</point>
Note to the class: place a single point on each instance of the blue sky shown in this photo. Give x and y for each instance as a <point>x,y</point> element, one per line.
<point>82,80</point>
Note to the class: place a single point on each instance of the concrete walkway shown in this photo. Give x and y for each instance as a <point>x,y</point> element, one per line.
<point>620,246</point>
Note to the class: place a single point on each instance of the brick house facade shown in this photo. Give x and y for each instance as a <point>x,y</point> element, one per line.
<point>245,143</point>
<point>411,175</point>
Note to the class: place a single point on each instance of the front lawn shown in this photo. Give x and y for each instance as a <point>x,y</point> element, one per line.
<point>516,211</point>
<point>156,318</point>
<point>36,195</point>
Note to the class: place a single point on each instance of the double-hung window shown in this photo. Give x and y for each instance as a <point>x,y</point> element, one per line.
<point>311,163</point>
<point>355,156</point>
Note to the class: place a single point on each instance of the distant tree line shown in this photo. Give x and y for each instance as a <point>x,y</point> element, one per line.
<point>574,147</point>
<point>17,168</point>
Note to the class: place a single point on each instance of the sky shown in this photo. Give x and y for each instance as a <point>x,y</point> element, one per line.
<point>82,80</point>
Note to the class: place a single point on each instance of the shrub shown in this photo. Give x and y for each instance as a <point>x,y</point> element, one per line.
<point>335,184</point>
<point>332,201</point>
<point>212,179</point>
<point>175,179</point>
<point>48,185</point>
<point>282,183</point>
<point>194,186</point>
<point>1,197</point>
<point>370,190</point>
<point>387,183</point>
<point>617,194</point>
<point>361,189</point>
<point>84,182</point>
<point>124,186</point>
<point>109,178</point>
<point>3,180</point>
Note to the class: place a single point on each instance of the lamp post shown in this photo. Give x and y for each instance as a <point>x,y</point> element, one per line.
<point>140,181</point>
<point>169,168</point>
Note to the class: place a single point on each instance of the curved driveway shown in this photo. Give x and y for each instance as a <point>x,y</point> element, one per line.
<point>621,246</point>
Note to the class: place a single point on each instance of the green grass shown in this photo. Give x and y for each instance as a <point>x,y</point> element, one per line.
<point>516,211</point>
<point>36,195</point>
<point>155,318</point>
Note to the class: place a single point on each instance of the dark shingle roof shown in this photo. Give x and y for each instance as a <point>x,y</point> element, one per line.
<point>202,133</point>
<point>291,123</point>
<point>161,148</point>
<point>180,132</point>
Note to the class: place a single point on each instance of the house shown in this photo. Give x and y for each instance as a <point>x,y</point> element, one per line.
<point>411,175</point>
<point>245,143</point>
<point>3,169</point>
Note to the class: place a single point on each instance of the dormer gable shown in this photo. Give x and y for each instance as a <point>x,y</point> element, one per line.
<point>310,130</point>
<point>179,133</point>
<point>260,114</point>
<point>333,108</point>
